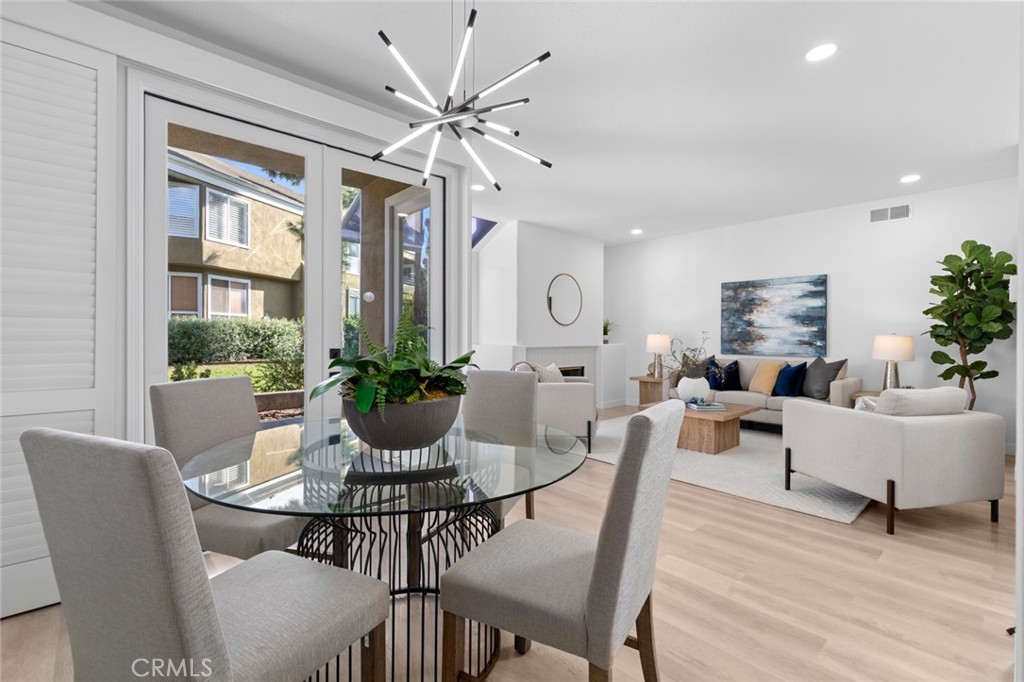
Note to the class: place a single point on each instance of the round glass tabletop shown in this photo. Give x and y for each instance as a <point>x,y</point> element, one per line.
<point>320,468</point>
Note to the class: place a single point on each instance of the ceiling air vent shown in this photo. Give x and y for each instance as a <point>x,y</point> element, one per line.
<point>899,212</point>
<point>880,215</point>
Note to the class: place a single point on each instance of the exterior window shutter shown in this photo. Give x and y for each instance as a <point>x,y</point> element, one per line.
<point>216,215</point>
<point>238,222</point>
<point>182,210</point>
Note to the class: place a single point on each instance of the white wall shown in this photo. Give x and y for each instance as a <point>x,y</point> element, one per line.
<point>497,275</point>
<point>878,279</point>
<point>543,253</point>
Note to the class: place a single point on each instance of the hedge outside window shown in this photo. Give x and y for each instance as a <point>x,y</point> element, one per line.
<point>228,297</point>
<point>182,210</point>
<point>227,219</point>
<point>184,293</point>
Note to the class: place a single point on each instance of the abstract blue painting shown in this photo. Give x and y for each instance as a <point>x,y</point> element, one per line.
<point>780,317</point>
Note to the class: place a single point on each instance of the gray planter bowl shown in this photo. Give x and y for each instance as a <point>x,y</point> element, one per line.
<point>405,427</point>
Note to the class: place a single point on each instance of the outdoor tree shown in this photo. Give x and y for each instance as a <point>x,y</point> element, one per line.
<point>974,311</point>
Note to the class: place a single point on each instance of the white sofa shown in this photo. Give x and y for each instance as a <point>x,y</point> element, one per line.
<point>907,462</point>
<point>841,391</point>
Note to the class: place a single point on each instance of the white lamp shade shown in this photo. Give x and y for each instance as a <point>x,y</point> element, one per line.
<point>659,343</point>
<point>893,347</point>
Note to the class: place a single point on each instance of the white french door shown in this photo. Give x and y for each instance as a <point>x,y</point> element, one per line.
<point>247,265</point>
<point>325,171</point>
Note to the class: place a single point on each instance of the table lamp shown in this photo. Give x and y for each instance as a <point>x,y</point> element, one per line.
<point>658,344</point>
<point>892,349</point>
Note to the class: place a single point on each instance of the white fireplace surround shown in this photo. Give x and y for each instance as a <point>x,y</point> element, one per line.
<point>604,365</point>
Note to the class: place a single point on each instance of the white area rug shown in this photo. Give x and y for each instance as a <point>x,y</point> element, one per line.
<point>754,471</point>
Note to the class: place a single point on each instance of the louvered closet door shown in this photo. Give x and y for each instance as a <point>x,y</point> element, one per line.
<point>57,297</point>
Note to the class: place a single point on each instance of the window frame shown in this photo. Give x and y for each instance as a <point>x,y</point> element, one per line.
<point>198,276</point>
<point>209,296</point>
<point>352,292</point>
<point>230,198</point>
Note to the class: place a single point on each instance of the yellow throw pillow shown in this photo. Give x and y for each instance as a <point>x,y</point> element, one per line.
<point>765,376</point>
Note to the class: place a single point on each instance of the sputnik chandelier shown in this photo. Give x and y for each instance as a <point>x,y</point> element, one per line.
<point>462,117</point>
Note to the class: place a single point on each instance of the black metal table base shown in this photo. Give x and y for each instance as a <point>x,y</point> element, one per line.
<point>409,551</point>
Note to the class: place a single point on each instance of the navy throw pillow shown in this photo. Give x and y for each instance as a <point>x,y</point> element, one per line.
<point>791,380</point>
<point>731,380</point>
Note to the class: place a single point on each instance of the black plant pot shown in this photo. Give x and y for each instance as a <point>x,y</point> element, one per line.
<point>403,427</point>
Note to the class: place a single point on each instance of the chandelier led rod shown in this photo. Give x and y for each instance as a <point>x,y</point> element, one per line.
<point>511,147</point>
<point>412,100</point>
<point>476,159</point>
<point>451,113</point>
<point>459,115</point>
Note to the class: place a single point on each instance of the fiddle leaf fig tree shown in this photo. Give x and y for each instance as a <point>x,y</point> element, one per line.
<point>974,310</point>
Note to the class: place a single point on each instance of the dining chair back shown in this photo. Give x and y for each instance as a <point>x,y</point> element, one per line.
<point>190,417</point>
<point>131,575</point>
<point>134,588</point>
<point>502,405</point>
<point>627,545</point>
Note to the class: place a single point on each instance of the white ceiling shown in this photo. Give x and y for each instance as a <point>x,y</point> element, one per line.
<point>674,117</point>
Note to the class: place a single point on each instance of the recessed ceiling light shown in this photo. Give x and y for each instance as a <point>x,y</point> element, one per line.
<point>821,52</point>
<point>907,179</point>
<point>477,188</point>
<point>636,230</point>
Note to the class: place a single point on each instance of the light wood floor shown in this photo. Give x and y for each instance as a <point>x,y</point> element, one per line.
<point>746,591</point>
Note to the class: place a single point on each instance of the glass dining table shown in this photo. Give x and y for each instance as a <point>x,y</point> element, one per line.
<point>402,516</point>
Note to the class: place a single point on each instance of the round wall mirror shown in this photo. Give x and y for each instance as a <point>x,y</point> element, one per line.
<point>565,299</point>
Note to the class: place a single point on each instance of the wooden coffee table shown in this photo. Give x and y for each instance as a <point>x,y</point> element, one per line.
<point>713,431</point>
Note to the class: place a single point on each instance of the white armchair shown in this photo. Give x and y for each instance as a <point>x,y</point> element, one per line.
<point>907,462</point>
<point>570,405</point>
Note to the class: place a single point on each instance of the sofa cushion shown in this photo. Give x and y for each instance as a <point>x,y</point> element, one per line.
<point>777,401</point>
<point>764,377</point>
<point>790,381</point>
<point>742,398</point>
<point>819,377</point>
<point>728,380</point>
<point>919,402</point>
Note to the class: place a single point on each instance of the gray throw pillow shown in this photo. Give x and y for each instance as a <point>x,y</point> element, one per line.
<point>697,369</point>
<point>819,377</point>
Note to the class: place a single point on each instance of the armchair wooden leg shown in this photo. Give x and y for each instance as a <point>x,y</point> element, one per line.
<point>452,647</point>
<point>529,506</point>
<point>890,503</point>
<point>522,645</point>
<point>645,640</point>
<point>599,674</point>
<point>994,510</point>
<point>373,655</point>
<point>789,464</point>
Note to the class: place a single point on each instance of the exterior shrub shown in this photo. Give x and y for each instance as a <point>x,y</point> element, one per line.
<point>190,339</point>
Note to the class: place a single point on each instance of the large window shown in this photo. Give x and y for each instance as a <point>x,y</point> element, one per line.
<point>227,219</point>
<point>184,294</point>
<point>182,210</point>
<point>229,297</point>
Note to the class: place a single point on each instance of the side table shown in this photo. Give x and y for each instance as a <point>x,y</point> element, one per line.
<point>652,390</point>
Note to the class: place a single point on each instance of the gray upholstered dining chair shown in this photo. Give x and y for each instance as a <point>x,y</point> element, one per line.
<point>502,405</point>
<point>134,588</point>
<point>192,416</point>
<point>567,589</point>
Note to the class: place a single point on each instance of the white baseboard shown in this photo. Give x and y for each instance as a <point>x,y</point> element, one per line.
<point>611,403</point>
<point>27,586</point>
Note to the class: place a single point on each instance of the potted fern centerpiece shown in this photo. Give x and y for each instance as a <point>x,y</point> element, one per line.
<point>397,398</point>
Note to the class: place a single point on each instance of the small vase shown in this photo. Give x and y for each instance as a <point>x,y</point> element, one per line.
<point>693,388</point>
<point>606,338</point>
